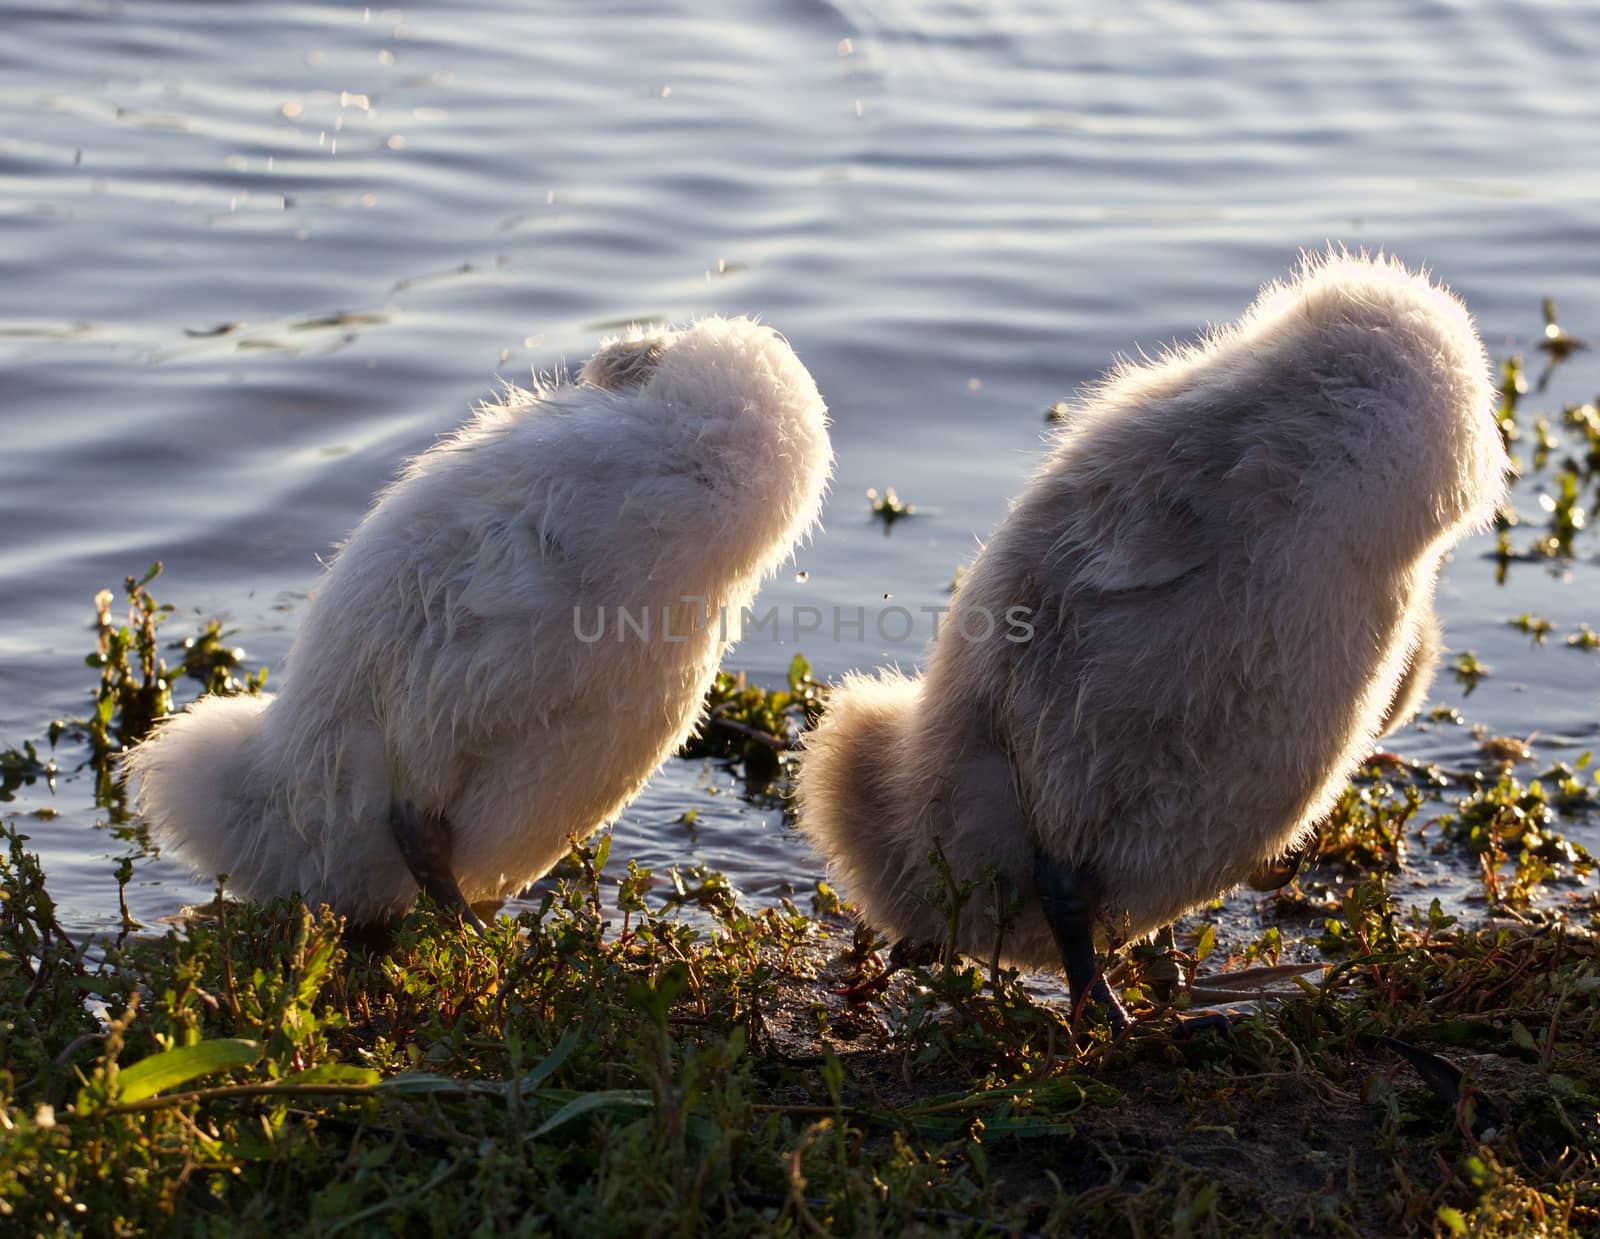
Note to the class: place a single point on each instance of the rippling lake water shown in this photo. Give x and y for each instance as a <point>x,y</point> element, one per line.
<point>254,255</point>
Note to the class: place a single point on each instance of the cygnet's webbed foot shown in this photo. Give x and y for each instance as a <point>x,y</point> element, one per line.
<point>424,840</point>
<point>1164,976</point>
<point>1190,1023</point>
<point>1275,874</point>
<point>1069,897</point>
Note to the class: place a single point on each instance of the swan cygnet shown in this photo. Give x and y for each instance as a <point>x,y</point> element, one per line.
<point>463,695</point>
<point>1227,562</point>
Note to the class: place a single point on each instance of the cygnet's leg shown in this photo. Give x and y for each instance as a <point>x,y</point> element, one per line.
<point>1068,896</point>
<point>424,840</point>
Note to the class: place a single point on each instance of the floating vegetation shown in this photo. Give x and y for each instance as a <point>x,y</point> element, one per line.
<point>1544,442</point>
<point>135,687</point>
<point>1365,831</point>
<point>1468,671</point>
<point>1563,500</point>
<point>1505,750</point>
<point>135,683</point>
<point>1510,828</point>
<point>1567,516</point>
<point>1505,519</point>
<point>1584,639</point>
<point>1585,418</point>
<point>757,726</point>
<point>887,507</point>
<point>1556,343</point>
<point>1536,626</point>
<point>1512,387</point>
<point>22,767</point>
<point>217,665</point>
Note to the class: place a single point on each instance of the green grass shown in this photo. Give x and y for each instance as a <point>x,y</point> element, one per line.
<point>616,1062</point>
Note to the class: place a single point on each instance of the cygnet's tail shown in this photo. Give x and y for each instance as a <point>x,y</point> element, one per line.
<point>189,777</point>
<point>850,790</point>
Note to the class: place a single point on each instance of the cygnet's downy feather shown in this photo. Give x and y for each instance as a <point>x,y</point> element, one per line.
<point>462,653</point>
<point>1228,560</point>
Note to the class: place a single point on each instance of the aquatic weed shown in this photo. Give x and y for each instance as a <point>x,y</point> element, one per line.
<point>22,767</point>
<point>135,687</point>
<point>1567,515</point>
<point>1469,672</point>
<point>1556,343</point>
<point>888,507</point>
<point>758,727</point>
<point>1584,639</point>
<point>1512,387</point>
<point>1536,626</point>
<point>1511,829</point>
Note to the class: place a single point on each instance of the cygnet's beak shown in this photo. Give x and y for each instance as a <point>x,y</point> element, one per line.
<point>1275,874</point>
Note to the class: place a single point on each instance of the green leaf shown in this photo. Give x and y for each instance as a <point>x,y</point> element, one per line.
<point>952,1128</point>
<point>832,1075</point>
<point>607,1099</point>
<point>1207,943</point>
<point>316,971</point>
<point>171,1068</point>
<point>1184,1216</point>
<point>1358,961</point>
<point>417,1082</point>
<point>551,1061</point>
<point>335,1073</point>
<point>1453,1220</point>
<point>656,996</point>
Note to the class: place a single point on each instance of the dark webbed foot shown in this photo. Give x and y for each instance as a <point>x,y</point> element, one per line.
<point>1069,897</point>
<point>1188,1024</point>
<point>424,840</point>
<point>1164,975</point>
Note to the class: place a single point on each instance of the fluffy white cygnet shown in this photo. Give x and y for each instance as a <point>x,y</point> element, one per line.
<point>1227,560</point>
<point>464,693</point>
